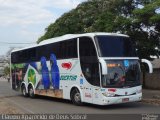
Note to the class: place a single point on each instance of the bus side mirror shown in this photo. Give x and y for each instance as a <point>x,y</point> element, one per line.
<point>149,64</point>
<point>104,66</point>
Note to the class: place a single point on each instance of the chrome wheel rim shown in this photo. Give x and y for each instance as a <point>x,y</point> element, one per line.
<point>24,91</point>
<point>77,97</point>
<point>31,92</point>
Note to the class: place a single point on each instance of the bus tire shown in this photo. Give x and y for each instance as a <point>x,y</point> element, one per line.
<point>76,97</point>
<point>24,92</point>
<point>31,91</point>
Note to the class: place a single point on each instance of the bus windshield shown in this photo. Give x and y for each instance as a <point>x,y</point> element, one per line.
<point>115,46</point>
<point>121,73</point>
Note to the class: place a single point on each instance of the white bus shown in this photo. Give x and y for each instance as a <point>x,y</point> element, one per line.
<point>97,68</point>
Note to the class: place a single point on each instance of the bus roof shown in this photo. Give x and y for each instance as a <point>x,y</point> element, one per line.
<point>69,36</point>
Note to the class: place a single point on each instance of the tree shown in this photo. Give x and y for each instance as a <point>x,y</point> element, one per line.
<point>90,16</point>
<point>147,22</point>
<point>122,16</point>
<point>6,71</point>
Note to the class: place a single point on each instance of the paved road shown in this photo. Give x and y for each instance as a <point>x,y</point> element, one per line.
<point>51,105</point>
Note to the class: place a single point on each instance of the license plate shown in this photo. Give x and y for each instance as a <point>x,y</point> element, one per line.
<point>125,99</point>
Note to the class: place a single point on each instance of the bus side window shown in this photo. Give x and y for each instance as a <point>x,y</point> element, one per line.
<point>68,49</point>
<point>31,55</point>
<point>89,61</point>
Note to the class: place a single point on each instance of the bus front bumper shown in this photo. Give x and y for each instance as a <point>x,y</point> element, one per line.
<point>121,99</point>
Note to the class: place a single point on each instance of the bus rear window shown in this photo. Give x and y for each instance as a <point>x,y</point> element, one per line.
<point>115,46</point>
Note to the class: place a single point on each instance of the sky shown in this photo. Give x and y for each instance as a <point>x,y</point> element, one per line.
<point>24,21</point>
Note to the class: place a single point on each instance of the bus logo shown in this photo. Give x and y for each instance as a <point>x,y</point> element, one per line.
<point>67,66</point>
<point>126,63</point>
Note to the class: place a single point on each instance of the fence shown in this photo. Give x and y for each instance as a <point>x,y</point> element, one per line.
<point>152,81</point>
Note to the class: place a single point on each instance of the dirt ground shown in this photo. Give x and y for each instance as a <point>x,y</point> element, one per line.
<point>152,101</point>
<point>151,97</point>
<point>7,108</point>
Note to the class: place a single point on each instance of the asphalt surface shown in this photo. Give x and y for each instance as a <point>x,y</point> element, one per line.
<point>48,105</point>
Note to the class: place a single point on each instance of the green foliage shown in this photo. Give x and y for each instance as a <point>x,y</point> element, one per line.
<point>122,16</point>
<point>6,71</point>
<point>148,27</point>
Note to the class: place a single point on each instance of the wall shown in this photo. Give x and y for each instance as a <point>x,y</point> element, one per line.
<point>152,81</point>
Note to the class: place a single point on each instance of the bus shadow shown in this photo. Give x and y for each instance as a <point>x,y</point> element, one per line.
<point>114,106</point>
<point>46,98</point>
<point>88,105</point>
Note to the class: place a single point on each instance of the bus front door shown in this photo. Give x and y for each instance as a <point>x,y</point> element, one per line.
<point>90,68</point>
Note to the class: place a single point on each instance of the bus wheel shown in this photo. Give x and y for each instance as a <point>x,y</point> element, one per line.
<point>23,90</point>
<point>76,97</point>
<point>31,92</point>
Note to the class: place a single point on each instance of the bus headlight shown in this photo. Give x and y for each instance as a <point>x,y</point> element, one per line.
<point>108,94</point>
<point>139,91</point>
